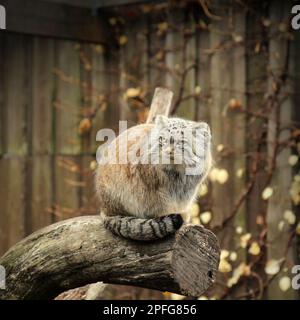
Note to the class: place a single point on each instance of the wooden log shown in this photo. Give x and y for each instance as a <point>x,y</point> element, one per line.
<point>78,251</point>
<point>161,103</point>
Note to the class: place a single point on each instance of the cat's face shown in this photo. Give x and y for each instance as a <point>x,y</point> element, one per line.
<point>184,142</point>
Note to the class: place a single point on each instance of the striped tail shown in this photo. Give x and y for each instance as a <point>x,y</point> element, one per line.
<point>143,229</point>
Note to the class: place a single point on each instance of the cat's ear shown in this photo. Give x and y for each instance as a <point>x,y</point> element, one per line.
<point>161,121</point>
<point>202,125</point>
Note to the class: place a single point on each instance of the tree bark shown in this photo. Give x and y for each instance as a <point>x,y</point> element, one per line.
<point>79,251</point>
<point>161,104</point>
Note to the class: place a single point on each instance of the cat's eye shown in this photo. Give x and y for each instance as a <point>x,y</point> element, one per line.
<point>160,140</point>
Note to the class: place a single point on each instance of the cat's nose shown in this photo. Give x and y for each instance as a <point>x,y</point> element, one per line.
<point>169,150</point>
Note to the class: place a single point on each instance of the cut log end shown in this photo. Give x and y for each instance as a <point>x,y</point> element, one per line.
<point>195,259</point>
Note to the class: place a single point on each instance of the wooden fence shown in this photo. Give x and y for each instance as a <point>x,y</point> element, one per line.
<point>224,64</point>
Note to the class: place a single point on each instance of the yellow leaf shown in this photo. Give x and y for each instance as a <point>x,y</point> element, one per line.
<point>293,159</point>
<point>240,173</point>
<point>241,270</point>
<point>160,55</point>
<point>295,190</point>
<point>205,217</point>
<point>267,193</point>
<point>99,48</point>
<point>233,256</point>
<point>239,230</point>
<point>224,266</point>
<point>175,296</point>
<point>298,229</point>
<point>194,210</point>
<point>238,38</point>
<point>203,190</point>
<point>177,66</point>
<point>132,92</point>
<point>196,220</point>
<point>245,239</point>
<point>254,249</point>
<point>213,174</point>
<point>272,267</point>
<point>113,21</point>
<point>167,294</point>
<point>202,298</point>
<point>284,283</point>
<point>257,47</point>
<point>220,147</point>
<point>197,90</point>
<point>282,27</point>
<point>85,126</point>
<point>260,220</point>
<point>93,165</point>
<point>234,104</point>
<point>232,281</point>
<point>289,216</point>
<point>266,22</point>
<point>163,26</point>
<point>281,224</point>
<point>224,254</point>
<point>297,178</point>
<point>222,176</point>
<point>146,8</point>
<point>123,40</point>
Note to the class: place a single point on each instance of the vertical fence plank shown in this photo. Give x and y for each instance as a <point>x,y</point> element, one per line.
<point>100,95</point>
<point>239,93</point>
<point>86,89</point>
<point>15,111</point>
<point>282,178</point>
<point>95,79</point>
<point>112,77</point>
<point>256,70</point>
<point>68,98</point>
<point>228,83</point>
<point>42,95</point>
<point>67,141</point>
<point>176,60</point>
<point>12,164</point>
<point>156,52</point>
<point>42,123</point>
<point>12,214</point>
<point>89,204</point>
<point>238,131</point>
<point>129,74</point>
<point>2,82</point>
<point>221,122</point>
<point>295,49</point>
<point>202,90</point>
<point>187,107</point>
<point>134,72</point>
<point>42,189</point>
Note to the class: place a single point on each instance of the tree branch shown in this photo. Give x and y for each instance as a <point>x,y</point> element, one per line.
<point>80,251</point>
